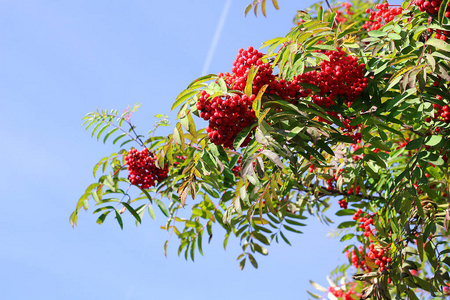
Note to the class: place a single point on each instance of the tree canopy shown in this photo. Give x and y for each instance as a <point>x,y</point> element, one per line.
<point>350,108</point>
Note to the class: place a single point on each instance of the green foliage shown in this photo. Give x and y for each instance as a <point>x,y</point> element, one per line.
<point>254,5</point>
<point>385,156</point>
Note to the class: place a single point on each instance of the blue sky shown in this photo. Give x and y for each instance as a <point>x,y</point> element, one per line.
<point>62,59</point>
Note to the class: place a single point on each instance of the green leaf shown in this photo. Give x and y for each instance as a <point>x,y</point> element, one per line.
<point>242,135</point>
<point>102,217</point>
<point>199,242</point>
<point>314,295</point>
<point>433,140</point>
<point>285,239</point>
<point>394,36</point>
<point>398,99</point>
<point>253,261</point>
<point>377,33</point>
<point>132,211</point>
<point>273,157</point>
<point>347,224</point>
<point>318,286</point>
<point>192,224</point>
<point>162,207</point>
<point>242,264</point>
<point>191,129</point>
<point>101,131</point>
<point>439,44</point>
<point>260,221</point>
<point>347,237</point>
<point>292,229</point>
<point>119,218</point>
<point>442,9</point>
<point>119,137</point>
<point>109,134</point>
<point>431,157</point>
<point>256,105</point>
<point>345,212</point>
<point>249,85</point>
<point>260,249</point>
<point>320,13</point>
<point>260,237</point>
<point>414,144</point>
<point>292,222</point>
<point>151,212</point>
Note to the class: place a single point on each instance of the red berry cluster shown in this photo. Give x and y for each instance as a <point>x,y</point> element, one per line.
<point>365,223</point>
<point>246,59</point>
<point>413,272</point>
<point>357,190</point>
<point>352,131</point>
<point>377,255</point>
<point>431,7</point>
<point>442,113</point>
<point>356,157</point>
<point>356,262</point>
<point>237,168</point>
<point>342,76</point>
<point>227,116</point>
<point>142,169</point>
<point>341,294</point>
<point>381,260</point>
<point>383,16</point>
<point>441,34</point>
<point>446,289</point>
<point>331,181</point>
<point>343,203</point>
<point>340,18</point>
<point>403,144</point>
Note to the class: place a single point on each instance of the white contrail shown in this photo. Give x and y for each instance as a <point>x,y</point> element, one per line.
<point>215,41</point>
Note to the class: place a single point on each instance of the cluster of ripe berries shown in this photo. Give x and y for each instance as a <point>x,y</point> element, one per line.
<point>440,34</point>
<point>446,289</point>
<point>340,18</point>
<point>142,169</point>
<point>431,7</point>
<point>341,294</point>
<point>384,15</point>
<point>227,116</point>
<point>237,167</point>
<point>356,157</point>
<point>365,223</point>
<point>343,203</point>
<point>245,60</point>
<point>356,262</point>
<point>352,131</point>
<point>376,255</point>
<point>342,76</point>
<point>442,113</point>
